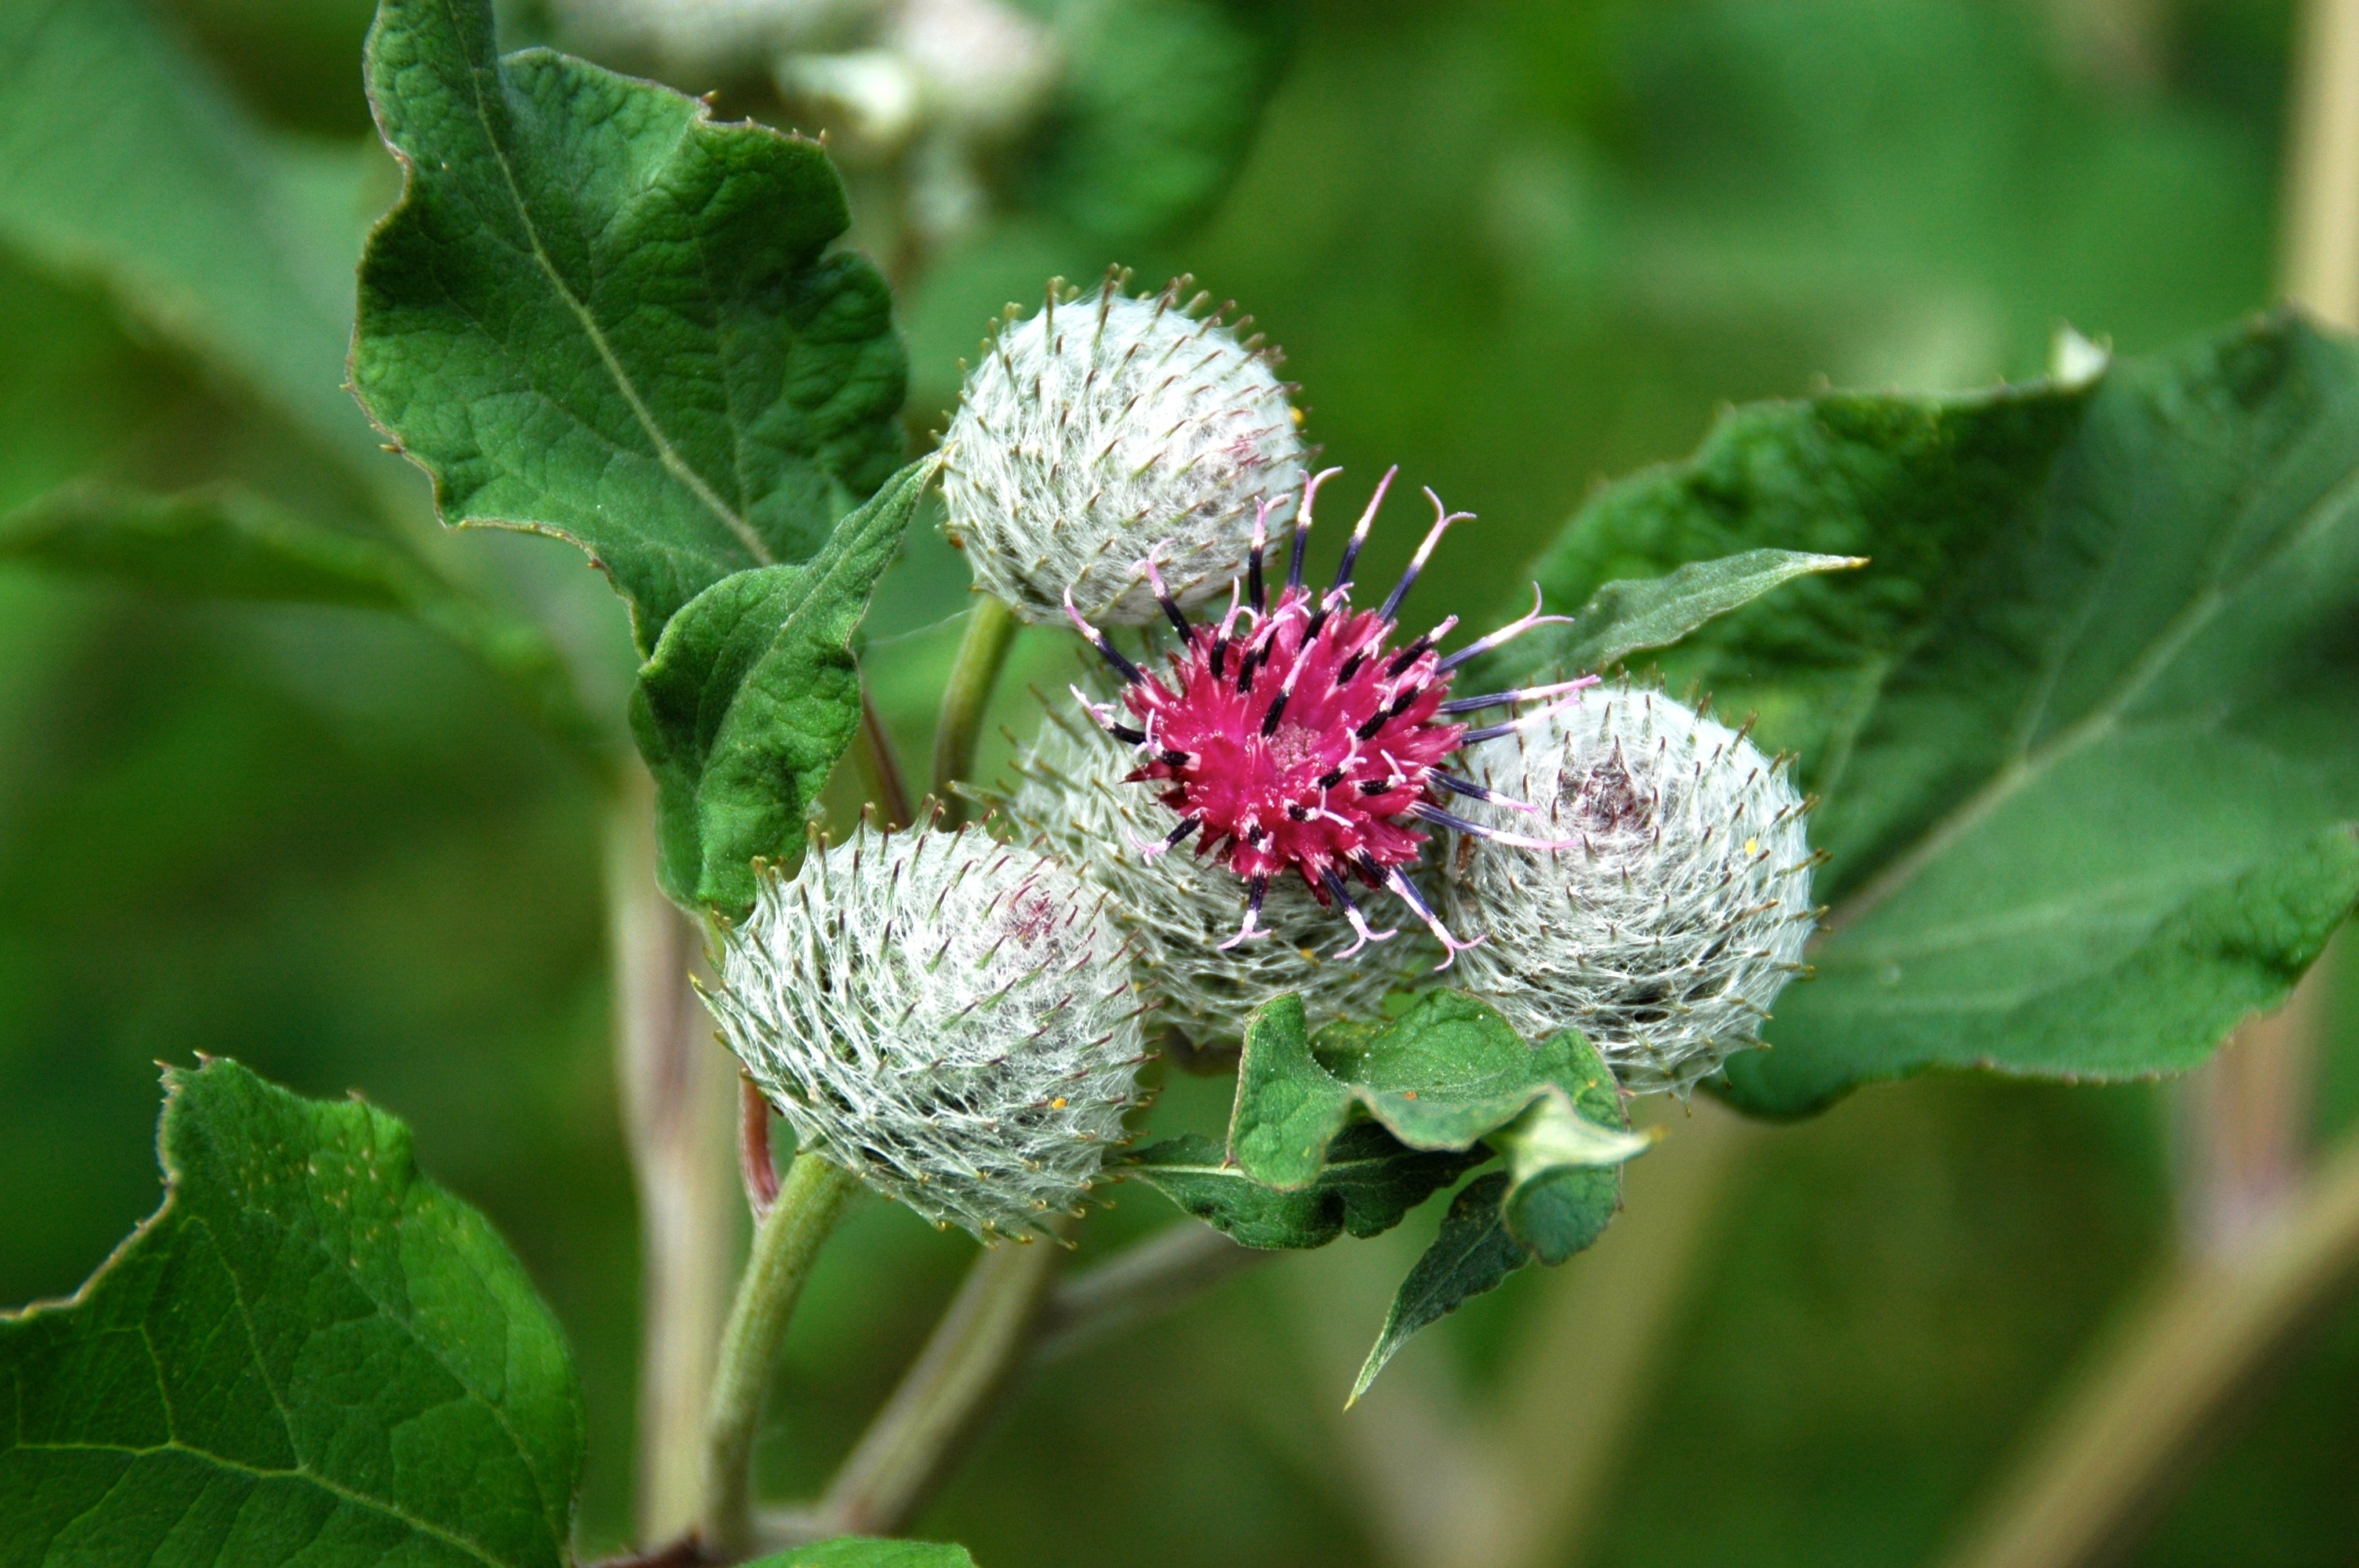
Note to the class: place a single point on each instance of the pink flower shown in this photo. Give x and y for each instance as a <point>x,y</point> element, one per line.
<point>1294,737</point>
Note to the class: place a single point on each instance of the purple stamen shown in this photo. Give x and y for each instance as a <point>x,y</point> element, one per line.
<point>1506,634</point>
<point>1360,533</point>
<point>1351,913</point>
<point>1302,522</point>
<point>1122,667</point>
<point>1405,890</point>
<point>1424,552</point>
<point>1428,812</point>
<point>1502,699</point>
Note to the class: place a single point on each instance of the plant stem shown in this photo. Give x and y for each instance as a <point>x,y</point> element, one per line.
<point>676,1096</point>
<point>947,1395</point>
<point>881,765</point>
<point>990,632</point>
<point>2150,1409</point>
<point>810,1200</point>
<point>1136,1285</point>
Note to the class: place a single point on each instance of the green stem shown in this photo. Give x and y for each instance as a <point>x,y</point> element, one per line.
<point>810,1200</point>
<point>982,652</point>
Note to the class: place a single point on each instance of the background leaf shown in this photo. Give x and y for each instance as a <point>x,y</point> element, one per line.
<point>862,1552</point>
<point>221,543</point>
<point>753,695</point>
<point>600,315</point>
<point>231,243</point>
<point>2086,731</point>
<point>309,1353</point>
<point>1366,1186</point>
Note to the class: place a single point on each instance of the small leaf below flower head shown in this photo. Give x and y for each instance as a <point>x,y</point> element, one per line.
<point>753,694</point>
<point>1473,1254</point>
<point>1367,1185</point>
<point>866,1551</point>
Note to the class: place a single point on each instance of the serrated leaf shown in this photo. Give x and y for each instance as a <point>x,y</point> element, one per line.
<point>205,229</point>
<point>2087,727</point>
<point>310,1353</point>
<point>1367,1184</point>
<point>221,543</point>
<point>752,695</point>
<point>598,314</point>
<point>1633,613</point>
<point>865,1552</point>
<point>1446,1073</point>
<point>1472,1254</point>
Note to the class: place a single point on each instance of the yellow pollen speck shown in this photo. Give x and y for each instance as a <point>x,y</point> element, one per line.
<point>1057,1104</point>
<point>1753,846</point>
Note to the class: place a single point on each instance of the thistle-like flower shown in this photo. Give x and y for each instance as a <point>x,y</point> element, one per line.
<point>1075,800</point>
<point>1104,424</point>
<point>948,1018</point>
<point>1668,928</point>
<point>1294,738</point>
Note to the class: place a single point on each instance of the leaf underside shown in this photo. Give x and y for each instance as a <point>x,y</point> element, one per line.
<point>2085,730</point>
<point>596,313</point>
<point>310,1354</point>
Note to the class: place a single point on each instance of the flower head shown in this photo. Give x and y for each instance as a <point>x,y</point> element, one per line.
<point>1103,425</point>
<point>1293,738</point>
<point>1668,928</point>
<point>949,1018</point>
<point>1074,800</point>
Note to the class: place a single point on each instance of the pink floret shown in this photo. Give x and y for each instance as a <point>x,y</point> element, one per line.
<point>1302,794</point>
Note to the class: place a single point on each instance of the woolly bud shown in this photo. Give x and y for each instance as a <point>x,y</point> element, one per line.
<point>949,1018</point>
<point>1107,426</point>
<point>1666,932</point>
<point>1177,909</point>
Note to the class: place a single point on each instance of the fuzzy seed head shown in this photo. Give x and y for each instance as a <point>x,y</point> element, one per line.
<point>1667,929</point>
<point>1075,797</point>
<point>949,1018</point>
<point>1106,427</point>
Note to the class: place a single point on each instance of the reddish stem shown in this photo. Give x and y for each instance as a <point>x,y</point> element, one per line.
<point>754,1161</point>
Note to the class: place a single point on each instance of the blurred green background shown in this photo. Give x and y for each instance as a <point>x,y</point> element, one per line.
<point>1514,248</point>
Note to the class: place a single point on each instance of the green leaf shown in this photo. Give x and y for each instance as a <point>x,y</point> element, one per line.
<point>597,314</point>
<point>310,1354</point>
<point>864,1551</point>
<point>752,695</point>
<point>1446,1073</point>
<point>1473,1254</point>
<point>221,543</point>
<point>2086,730</point>
<point>1366,1185</point>
<point>122,162</point>
<point>1159,105</point>
<point>1631,613</point>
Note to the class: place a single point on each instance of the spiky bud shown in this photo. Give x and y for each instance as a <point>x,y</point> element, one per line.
<point>1074,797</point>
<point>1102,429</point>
<point>949,1018</point>
<point>1668,928</point>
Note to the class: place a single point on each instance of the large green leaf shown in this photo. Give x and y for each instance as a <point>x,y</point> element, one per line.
<point>310,1355</point>
<point>597,314</point>
<point>1366,1186</point>
<point>226,544</point>
<point>121,161</point>
<point>2086,730</point>
<point>753,695</point>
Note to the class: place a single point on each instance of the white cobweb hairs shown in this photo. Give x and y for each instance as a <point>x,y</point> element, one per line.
<point>949,1018</point>
<point>1106,427</point>
<point>1666,932</point>
<point>1071,799</point>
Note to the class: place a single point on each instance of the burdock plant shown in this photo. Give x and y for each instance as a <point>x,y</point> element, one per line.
<point>2046,693</point>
